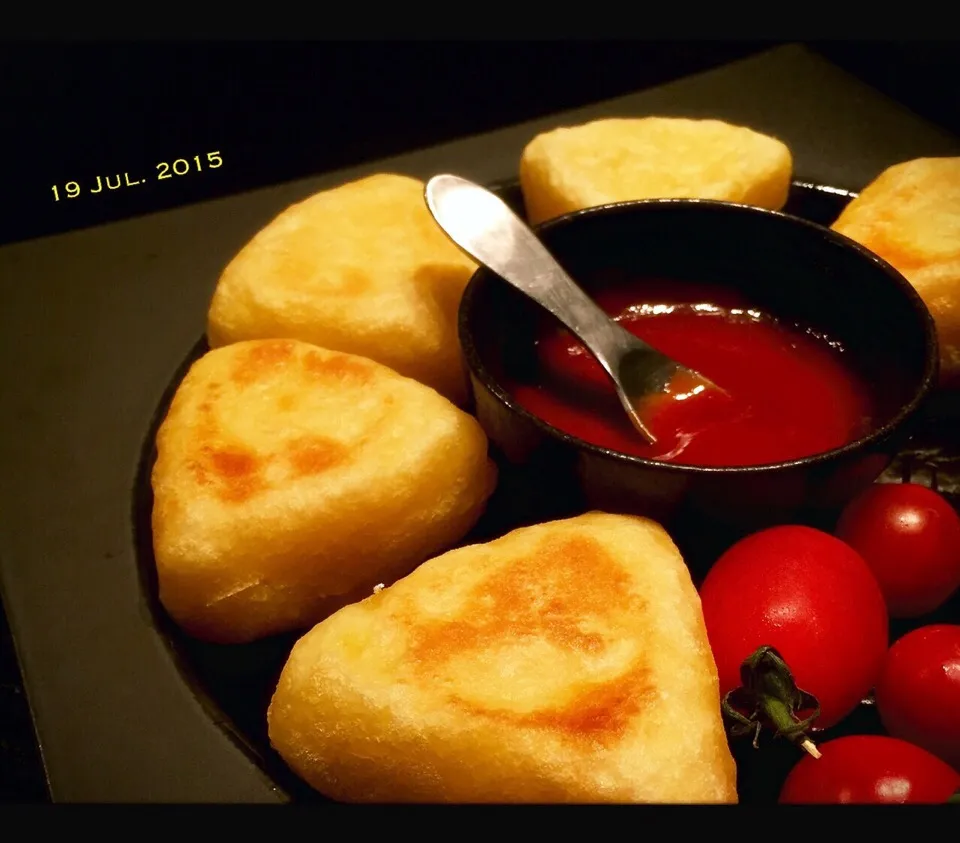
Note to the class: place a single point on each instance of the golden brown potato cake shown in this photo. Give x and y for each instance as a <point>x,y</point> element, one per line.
<point>564,662</point>
<point>361,268</point>
<point>910,216</point>
<point>621,159</point>
<point>290,479</point>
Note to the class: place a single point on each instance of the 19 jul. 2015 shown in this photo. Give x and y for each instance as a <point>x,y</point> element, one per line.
<point>165,170</point>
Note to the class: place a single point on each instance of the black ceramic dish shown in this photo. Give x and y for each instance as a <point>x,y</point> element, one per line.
<point>235,683</point>
<point>796,269</point>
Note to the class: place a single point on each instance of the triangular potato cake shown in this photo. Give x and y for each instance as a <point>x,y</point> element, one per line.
<point>289,477</point>
<point>910,216</point>
<point>361,268</point>
<point>621,159</point>
<point>563,662</point>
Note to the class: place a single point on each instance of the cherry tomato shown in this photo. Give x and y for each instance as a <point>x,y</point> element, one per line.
<point>918,694</point>
<point>870,769</point>
<point>910,537</point>
<point>812,598</point>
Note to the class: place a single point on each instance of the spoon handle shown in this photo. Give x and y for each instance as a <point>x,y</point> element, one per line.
<point>484,227</point>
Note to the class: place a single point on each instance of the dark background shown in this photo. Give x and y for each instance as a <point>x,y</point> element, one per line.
<point>277,112</point>
<point>280,111</point>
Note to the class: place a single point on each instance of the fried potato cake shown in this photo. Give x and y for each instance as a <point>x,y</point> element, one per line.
<point>563,662</point>
<point>289,478</point>
<point>621,159</point>
<point>361,268</point>
<point>910,216</point>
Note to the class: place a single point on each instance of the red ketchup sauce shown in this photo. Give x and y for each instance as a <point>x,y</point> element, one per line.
<point>790,392</point>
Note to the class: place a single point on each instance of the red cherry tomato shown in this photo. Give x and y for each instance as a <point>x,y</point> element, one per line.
<point>870,769</point>
<point>809,596</point>
<point>918,694</point>
<point>910,537</point>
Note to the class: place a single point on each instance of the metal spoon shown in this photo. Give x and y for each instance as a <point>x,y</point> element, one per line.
<point>482,225</point>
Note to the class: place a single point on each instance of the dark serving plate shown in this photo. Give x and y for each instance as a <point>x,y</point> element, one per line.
<point>95,322</point>
<point>234,683</point>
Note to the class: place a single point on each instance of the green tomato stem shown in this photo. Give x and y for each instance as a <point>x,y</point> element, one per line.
<point>771,698</point>
<point>785,722</point>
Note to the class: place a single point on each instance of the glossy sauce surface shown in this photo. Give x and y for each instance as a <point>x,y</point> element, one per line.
<point>791,393</point>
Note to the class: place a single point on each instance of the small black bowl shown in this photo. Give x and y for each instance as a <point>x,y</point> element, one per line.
<point>795,269</point>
